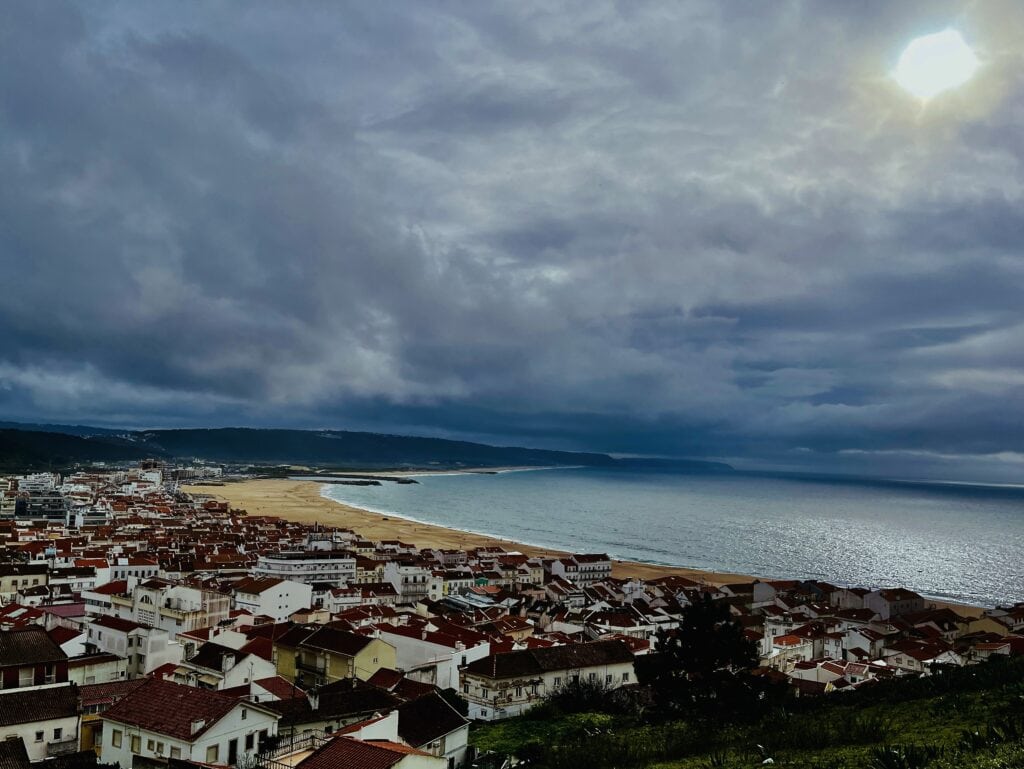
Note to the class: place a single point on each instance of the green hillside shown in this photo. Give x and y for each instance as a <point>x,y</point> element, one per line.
<point>968,718</point>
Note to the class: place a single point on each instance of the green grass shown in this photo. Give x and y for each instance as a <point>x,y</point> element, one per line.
<point>967,719</point>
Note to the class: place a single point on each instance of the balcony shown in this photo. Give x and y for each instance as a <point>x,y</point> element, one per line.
<point>62,747</point>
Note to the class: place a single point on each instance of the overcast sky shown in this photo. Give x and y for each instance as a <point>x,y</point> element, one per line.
<point>694,229</point>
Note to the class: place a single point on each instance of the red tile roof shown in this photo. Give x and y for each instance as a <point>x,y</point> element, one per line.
<point>354,754</point>
<point>168,708</point>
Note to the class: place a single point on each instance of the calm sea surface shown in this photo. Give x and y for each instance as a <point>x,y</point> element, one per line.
<point>949,541</point>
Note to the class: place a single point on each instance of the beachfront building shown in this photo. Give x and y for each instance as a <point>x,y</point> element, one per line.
<point>505,685</point>
<point>334,567</point>
<point>583,569</point>
<point>414,580</point>
<point>893,602</point>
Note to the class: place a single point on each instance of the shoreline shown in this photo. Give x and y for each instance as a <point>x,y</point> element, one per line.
<point>303,501</point>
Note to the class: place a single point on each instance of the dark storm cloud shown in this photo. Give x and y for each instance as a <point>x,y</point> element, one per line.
<point>692,229</point>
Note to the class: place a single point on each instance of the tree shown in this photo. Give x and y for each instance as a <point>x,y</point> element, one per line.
<point>703,669</point>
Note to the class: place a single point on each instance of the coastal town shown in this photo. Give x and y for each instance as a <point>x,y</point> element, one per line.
<point>144,625</point>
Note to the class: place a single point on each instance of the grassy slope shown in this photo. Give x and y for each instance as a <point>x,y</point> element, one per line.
<point>842,731</point>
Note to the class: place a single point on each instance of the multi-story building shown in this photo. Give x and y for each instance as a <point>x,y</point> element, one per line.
<point>145,648</point>
<point>509,684</point>
<point>318,654</point>
<point>336,567</point>
<point>272,597</point>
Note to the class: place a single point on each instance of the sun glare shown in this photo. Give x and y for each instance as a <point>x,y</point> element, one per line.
<point>935,63</point>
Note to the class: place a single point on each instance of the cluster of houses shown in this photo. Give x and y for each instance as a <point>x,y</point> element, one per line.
<point>145,627</point>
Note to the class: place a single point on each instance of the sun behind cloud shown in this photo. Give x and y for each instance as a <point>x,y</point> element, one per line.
<point>935,63</point>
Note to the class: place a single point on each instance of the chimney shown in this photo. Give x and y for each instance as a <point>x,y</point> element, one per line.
<point>227,662</point>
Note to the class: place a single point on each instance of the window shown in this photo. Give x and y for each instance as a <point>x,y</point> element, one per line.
<point>519,691</point>
<point>592,676</point>
<point>484,692</point>
<point>57,733</point>
<point>150,744</point>
<point>212,754</point>
<point>483,714</point>
<point>26,677</point>
<point>39,736</point>
<point>160,748</point>
<point>245,714</point>
<point>625,677</point>
<point>136,743</point>
<point>558,680</point>
<point>175,752</point>
<point>465,688</point>
<point>250,741</point>
<point>115,738</point>
<point>608,678</point>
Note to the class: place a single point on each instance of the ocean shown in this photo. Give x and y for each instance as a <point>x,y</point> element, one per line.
<point>953,541</point>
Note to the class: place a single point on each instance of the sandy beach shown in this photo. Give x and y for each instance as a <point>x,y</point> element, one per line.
<point>301,501</point>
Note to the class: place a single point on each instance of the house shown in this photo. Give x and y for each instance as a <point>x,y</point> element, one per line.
<point>893,602</point>
<point>272,597</point>
<point>145,648</point>
<point>161,720</point>
<point>435,727</point>
<point>508,684</point>
<point>434,651</point>
<point>29,658</point>
<point>378,754</point>
<point>14,576</point>
<point>94,700</point>
<point>45,718</point>
<point>313,655</point>
<point>220,667</point>
<point>329,708</point>
<point>97,668</point>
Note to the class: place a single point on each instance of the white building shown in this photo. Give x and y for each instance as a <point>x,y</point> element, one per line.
<point>506,685</point>
<point>428,656</point>
<point>46,718</point>
<point>145,648</point>
<point>272,597</point>
<point>161,720</point>
<point>334,567</point>
<point>172,608</point>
